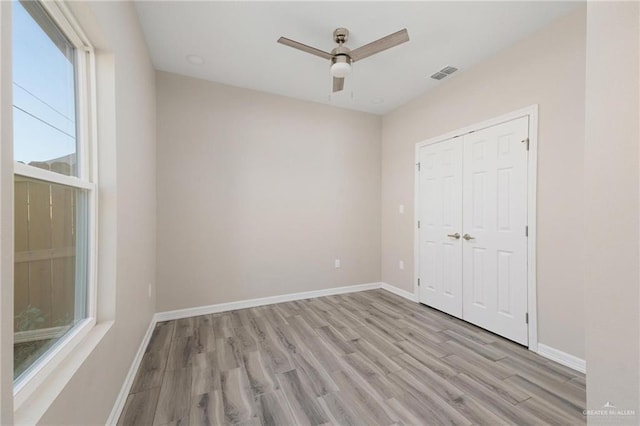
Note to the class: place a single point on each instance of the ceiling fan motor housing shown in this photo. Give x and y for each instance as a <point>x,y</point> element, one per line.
<point>341,58</point>
<point>341,54</point>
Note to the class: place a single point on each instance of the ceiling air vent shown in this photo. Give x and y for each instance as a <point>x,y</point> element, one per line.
<point>444,72</point>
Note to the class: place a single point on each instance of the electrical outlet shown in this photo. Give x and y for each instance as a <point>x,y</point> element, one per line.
<point>401,264</point>
<point>401,209</point>
<point>337,263</point>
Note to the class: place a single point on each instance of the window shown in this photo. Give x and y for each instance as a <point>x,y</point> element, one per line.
<point>54,184</point>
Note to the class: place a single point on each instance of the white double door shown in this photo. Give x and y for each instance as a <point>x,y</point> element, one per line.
<point>472,238</point>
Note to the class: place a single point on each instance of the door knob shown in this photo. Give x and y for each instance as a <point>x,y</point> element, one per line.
<point>468,237</point>
<point>456,236</point>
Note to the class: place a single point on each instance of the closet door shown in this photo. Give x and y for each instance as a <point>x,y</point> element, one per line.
<point>494,220</point>
<point>440,195</point>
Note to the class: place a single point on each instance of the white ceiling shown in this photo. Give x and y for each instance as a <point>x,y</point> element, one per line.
<point>238,43</point>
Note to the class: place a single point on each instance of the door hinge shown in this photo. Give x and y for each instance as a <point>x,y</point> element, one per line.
<point>418,164</point>
<point>526,318</point>
<point>526,141</point>
<point>418,224</point>
<point>526,231</point>
<point>418,282</point>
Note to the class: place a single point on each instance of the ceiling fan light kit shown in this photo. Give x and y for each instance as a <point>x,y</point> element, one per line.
<point>340,66</point>
<point>342,57</point>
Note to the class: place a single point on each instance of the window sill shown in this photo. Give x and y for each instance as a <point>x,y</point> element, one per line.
<point>33,398</point>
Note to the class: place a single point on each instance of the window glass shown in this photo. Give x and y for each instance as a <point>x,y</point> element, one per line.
<point>44,99</point>
<point>49,274</point>
<point>51,219</point>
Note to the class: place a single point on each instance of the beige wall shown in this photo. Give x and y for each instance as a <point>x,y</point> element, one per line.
<point>127,209</point>
<point>611,207</point>
<point>545,69</point>
<point>258,194</point>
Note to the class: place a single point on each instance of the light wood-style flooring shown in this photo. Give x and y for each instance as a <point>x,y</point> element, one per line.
<point>363,358</point>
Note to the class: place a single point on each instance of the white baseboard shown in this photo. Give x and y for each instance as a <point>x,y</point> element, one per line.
<point>400,292</point>
<point>252,303</point>
<point>131,375</point>
<point>563,358</point>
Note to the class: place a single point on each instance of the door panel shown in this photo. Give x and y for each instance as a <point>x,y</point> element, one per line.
<point>440,214</point>
<point>495,217</point>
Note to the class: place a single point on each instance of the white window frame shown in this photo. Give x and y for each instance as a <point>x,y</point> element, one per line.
<point>87,179</point>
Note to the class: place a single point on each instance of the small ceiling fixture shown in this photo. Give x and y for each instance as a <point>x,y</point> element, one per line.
<point>342,57</point>
<point>195,59</point>
<point>340,66</point>
<point>444,72</point>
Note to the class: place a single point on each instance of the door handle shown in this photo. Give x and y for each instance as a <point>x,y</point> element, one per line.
<point>456,236</point>
<point>468,237</point>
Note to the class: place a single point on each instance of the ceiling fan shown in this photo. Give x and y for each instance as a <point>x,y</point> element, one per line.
<point>342,57</point>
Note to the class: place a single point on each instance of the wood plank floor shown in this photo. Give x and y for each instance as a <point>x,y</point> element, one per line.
<point>363,358</point>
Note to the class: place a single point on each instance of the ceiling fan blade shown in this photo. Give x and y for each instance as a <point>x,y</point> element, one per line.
<point>379,45</point>
<point>338,84</point>
<point>304,48</point>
